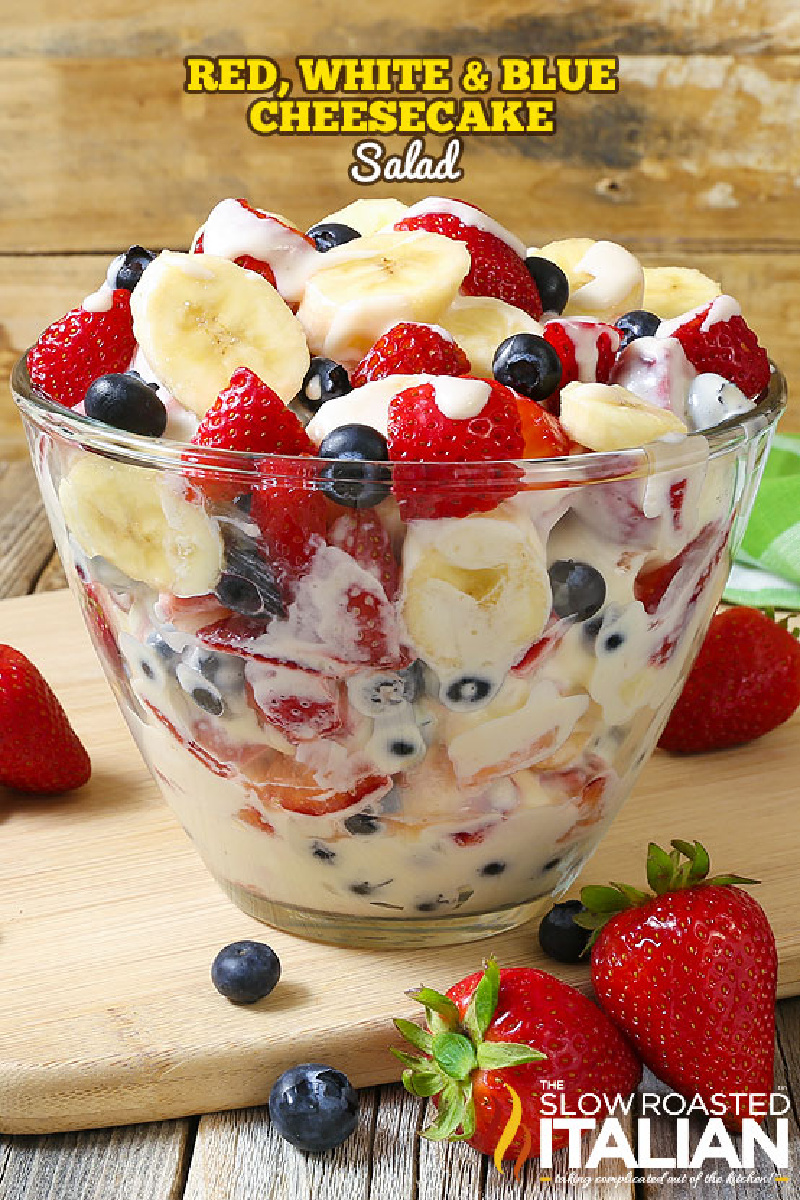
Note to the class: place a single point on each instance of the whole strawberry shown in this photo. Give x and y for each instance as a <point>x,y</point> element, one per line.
<point>493,1045</point>
<point>39,749</point>
<point>80,347</point>
<point>745,682</point>
<point>689,974</point>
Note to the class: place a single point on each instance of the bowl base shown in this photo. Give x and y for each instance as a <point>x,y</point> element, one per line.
<point>383,933</point>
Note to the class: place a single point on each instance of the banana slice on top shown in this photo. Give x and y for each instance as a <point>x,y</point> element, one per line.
<point>133,518</point>
<point>607,416</point>
<point>605,279</point>
<point>368,215</point>
<point>363,288</point>
<point>480,323</point>
<point>197,318</point>
<point>670,291</point>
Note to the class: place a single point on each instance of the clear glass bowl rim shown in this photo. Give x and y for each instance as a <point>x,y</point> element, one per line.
<point>573,470</point>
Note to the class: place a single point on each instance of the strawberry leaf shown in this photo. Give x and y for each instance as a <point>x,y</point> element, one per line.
<point>480,1010</point>
<point>422,1083</point>
<point>602,899</point>
<point>412,1033</point>
<point>725,880</point>
<point>494,1056</point>
<point>438,1003</point>
<point>660,868</point>
<point>454,1054</point>
<point>450,1115</point>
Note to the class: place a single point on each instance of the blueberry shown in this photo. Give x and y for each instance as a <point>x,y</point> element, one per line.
<point>551,283</point>
<point>247,583</point>
<point>134,262</point>
<point>225,671</point>
<point>493,868</point>
<point>605,631</point>
<point>210,701</point>
<point>126,402</point>
<point>614,641</point>
<point>362,823</point>
<point>357,478</point>
<point>579,589</point>
<point>528,364</point>
<point>329,234</point>
<point>244,972</point>
<point>636,324</point>
<point>468,691</point>
<point>324,380</point>
<point>313,1106</point>
<point>379,692</point>
<point>559,936</point>
<point>403,747</point>
<point>323,853</point>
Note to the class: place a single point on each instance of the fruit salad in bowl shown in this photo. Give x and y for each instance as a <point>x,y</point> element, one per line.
<point>396,539</point>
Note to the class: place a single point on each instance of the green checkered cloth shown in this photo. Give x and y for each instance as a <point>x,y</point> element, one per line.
<point>766,571</point>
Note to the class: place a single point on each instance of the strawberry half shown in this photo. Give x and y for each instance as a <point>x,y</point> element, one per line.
<point>744,683</point>
<point>420,432</point>
<point>291,513</point>
<point>248,416</point>
<point>495,1042</point>
<point>39,749</point>
<point>497,270</point>
<point>689,973</point>
<point>79,348</point>
<point>363,536</point>
<point>727,348</point>
<point>411,349</point>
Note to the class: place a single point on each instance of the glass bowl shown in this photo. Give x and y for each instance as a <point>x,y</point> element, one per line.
<point>381,728</point>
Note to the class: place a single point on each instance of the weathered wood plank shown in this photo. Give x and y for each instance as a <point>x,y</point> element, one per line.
<point>52,578</point>
<point>137,1162</point>
<point>238,1156</point>
<point>52,27</point>
<point>25,540</point>
<point>698,149</point>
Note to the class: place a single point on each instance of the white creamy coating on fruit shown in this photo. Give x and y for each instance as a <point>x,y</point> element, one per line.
<point>583,334</point>
<point>366,318</point>
<point>656,370</point>
<point>722,309</point>
<point>232,231</point>
<point>712,399</point>
<point>101,300</point>
<point>367,405</point>
<point>617,278</point>
<point>460,399</point>
<point>468,216</point>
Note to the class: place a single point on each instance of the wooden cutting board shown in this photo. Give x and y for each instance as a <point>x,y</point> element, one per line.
<point>109,922</point>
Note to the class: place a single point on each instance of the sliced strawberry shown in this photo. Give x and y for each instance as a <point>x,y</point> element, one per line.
<point>496,269</point>
<point>419,432</point>
<point>374,639</point>
<point>80,347</point>
<point>291,513</point>
<point>250,815</point>
<point>300,704</point>
<point>293,786</point>
<point>247,416</point>
<point>586,347</point>
<point>244,260</point>
<point>543,433</point>
<point>411,349</point>
<point>363,536</point>
<point>728,348</point>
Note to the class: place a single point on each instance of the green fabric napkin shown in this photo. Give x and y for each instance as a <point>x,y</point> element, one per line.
<point>766,571</point>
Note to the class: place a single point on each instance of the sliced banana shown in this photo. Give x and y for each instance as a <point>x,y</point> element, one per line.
<point>670,291</point>
<point>480,323</point>
<point>363,288</point>
<point>197,318</point>
<point>368,216</point>
<point>605,279</point>
<point>476,591</point>
<point>133,517</point>
<point>605,416</point>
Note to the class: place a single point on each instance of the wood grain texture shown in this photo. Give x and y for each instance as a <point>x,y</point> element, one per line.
<point>54,28</point>
<point>696,150</point>
<point>148,1037</point>
<point>140,1162</point>
<point>25,536</point>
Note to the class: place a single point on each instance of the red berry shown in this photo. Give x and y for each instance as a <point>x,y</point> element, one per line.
<point>39,749</point>
<point>745,682</point>
<point>690,976</point>
<point>291,513</point>
<point>301,704</point>
<point>496,269</point>
<point>362,535</point>
<point>82,346</point>
<point>522,1012</point>
<point>247,415</point>
<point>728,348</point>
<point>543,434</point>
<point>586,348</point>
<point>419,432</point>
<point>411,349</point>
